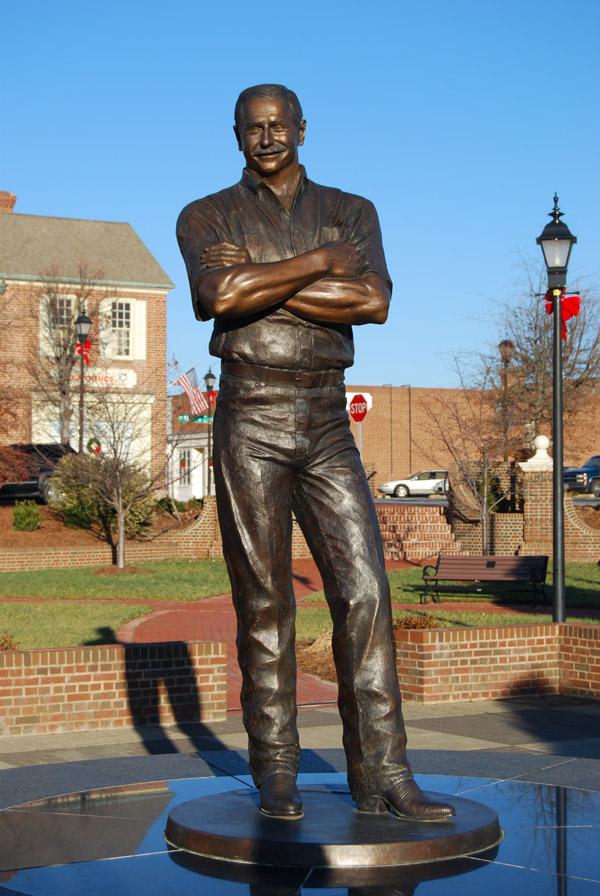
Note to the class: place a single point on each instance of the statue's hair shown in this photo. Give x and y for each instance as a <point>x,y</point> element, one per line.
<point>268,90</point>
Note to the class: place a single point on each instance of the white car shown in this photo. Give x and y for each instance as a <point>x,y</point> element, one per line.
<point>427,482</point>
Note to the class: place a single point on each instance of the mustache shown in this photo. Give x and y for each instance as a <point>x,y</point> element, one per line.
<point>271,151</point>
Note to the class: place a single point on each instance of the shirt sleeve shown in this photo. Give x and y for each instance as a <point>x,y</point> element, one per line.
<point>198,228</point>
<point>366,236</point>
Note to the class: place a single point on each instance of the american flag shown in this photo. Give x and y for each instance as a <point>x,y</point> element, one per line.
<point>189,382</point>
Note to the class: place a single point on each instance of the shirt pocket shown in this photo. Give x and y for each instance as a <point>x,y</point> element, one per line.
<point>331,234</point>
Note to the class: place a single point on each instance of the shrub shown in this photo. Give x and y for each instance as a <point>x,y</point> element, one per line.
<point>79,514</point>
<point>26,516</point>
<point>138,520</point>
<point>164,505</point>
<point>8,642</point>
<point>416,622</point>
<point>167,504</point>
<point>195,504</point>
<point>83,489</point>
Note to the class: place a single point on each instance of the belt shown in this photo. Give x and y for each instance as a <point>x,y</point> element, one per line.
<point>309,379</point>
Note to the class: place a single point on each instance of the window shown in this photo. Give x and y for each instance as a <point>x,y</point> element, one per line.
<point>185,467</point>
<point>121,329</point>
<point>60,312</point>
<point>57,317</point>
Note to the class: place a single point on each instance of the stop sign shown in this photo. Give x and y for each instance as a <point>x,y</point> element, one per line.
<point>358,408</point>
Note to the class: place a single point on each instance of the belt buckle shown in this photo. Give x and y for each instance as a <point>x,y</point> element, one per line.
<point>304,378</point>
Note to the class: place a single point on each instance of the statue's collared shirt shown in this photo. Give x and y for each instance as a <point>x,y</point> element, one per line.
<point>249,214</point>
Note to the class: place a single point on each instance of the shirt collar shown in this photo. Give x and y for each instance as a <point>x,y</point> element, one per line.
<point>254,183</point>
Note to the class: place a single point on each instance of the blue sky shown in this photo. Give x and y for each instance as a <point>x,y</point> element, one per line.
<point>459,120</point>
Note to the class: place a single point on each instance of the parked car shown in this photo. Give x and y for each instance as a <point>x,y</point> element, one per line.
<point>585,478</point>
<point>442,488</point>
<point>423,483</point>
<point>39,462</point>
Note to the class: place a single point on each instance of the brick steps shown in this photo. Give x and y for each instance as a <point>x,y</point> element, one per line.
<point>415,532</point>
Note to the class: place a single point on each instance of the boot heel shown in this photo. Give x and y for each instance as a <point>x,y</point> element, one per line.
<point>374,805</point>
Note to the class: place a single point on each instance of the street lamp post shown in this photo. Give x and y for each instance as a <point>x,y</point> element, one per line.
<point>209,382</point>
<point>506,348</point>
<point>83,325</point>
<point>556,241</point>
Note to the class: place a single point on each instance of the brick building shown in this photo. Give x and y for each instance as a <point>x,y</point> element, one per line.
<point>398,438</point>
<point>50,270</point>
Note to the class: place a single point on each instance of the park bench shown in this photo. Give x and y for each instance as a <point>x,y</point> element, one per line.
<point>478,568</point>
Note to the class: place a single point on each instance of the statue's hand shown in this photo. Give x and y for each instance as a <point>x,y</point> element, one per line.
<point>222,255</point>
<point>344,260</point>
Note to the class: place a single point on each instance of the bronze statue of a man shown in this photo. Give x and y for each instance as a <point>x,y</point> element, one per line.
<point>285,266</point>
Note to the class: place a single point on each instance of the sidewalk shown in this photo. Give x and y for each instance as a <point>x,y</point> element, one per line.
<point>548,741</point>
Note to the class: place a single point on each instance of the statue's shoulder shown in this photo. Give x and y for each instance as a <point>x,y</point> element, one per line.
<point>209,206</point>
<point>337,197</point>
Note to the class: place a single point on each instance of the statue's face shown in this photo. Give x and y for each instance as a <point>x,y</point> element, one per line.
<point>269,136</point>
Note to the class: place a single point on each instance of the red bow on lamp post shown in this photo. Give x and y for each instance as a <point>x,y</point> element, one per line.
<point>85,349</point>
<point>569,307</point>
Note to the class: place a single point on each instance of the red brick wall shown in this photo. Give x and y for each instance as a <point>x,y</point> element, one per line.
<point>581,541</point>
<point>580,661</point>
<point>507,532</point>
<point>477,663</point>
<point>113,686</point>
<point>398,439</point>
<point>396,433</point>
<point>414,531</point>
<point>488,663</point>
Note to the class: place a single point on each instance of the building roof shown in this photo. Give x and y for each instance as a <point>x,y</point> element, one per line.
<point>32,247</point>
<point>181,405</point>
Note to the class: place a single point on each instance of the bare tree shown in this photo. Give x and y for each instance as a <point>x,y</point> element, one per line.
<point>527,324</point>
<point>465,421</point>
<point>116,475</point>
<point>52,362</point>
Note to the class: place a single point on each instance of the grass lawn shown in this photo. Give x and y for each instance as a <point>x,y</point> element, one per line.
<point>315,621</point>
<point>60,625</point>
<point>162,580</point>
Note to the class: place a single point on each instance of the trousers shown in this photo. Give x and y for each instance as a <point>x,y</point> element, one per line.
<point>282,450</point>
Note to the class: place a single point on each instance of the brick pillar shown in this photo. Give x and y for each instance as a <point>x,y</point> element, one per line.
<point>537,512</point>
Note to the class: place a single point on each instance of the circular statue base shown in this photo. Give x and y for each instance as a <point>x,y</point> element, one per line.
<point>332,833</point>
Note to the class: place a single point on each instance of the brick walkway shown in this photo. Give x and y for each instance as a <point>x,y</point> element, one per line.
<point>213,619</point>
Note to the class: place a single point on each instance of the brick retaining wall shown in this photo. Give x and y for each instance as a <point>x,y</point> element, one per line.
<point>440,665</point>
<point>579,661</point>
<point>135,685</point>
<point>111,686</point>
<point>414,531</point>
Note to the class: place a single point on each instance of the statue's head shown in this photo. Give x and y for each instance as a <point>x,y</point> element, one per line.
<point>269,127</point>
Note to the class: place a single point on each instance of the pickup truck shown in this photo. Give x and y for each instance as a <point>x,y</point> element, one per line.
<point>39,461</point>
<point>585,478</point>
